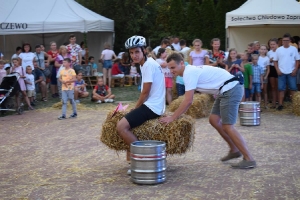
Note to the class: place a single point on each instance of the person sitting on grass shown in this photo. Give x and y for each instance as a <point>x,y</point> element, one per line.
<point>102,93</point>
<point>80,88</point>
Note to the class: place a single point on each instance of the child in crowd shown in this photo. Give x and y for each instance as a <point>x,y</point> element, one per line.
<point>2,70</point>
<point>150,53</point>
<point>250,51</point>
<point>256,47</point>
<point>233,65</point>
<point>162,55</point>
<point>179,80</point>
<point>19,69</point>
<point>67,78</point>
<point>257,80</point>
<point>248,74</point>
<point>30,85</point>
<point>125,64</point>
<point>133,73</point>
<point>102,93</point>
<point>107,57</point>
<point>197,56</point>
<point>93,64</point>
<point>115,71</point>
<point>80,88</point>
<point>264,62</point>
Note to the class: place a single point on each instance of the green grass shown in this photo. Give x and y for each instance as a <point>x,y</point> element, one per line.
<point>126,94</point>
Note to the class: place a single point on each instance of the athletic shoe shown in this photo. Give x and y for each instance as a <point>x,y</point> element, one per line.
<point>62,117</point>
<point>244,164</point>
<point>106,100</point>
<point>32,104</point>
<point>99,101</point>
<point>231,156</point>
<point>129,172</point>
<point>280,107</point>
<point>110,100</point>
<point>77,101</point>
<point>74,115</point>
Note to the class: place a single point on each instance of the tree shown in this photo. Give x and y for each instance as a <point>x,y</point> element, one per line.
<point>193,20</point>
<point>207,26</point>
<point>176,17</point>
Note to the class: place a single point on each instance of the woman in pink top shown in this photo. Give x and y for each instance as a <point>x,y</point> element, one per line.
<point>20,70</point>
<point>106,58</point>
<point>197,56</point>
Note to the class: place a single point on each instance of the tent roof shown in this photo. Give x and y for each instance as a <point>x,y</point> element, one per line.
<point>49,16</point>
<point>255,12</point>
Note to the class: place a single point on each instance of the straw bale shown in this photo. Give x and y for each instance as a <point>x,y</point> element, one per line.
<point>178,135</point>
<point>296,103</point>
<point>200,107</point>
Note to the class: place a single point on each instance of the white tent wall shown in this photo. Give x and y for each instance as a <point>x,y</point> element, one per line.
<point>240,37</point>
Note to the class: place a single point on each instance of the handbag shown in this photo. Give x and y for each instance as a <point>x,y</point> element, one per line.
<point>47,71</point>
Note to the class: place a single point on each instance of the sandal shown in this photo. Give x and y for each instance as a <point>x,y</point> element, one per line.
<point>44,99</point>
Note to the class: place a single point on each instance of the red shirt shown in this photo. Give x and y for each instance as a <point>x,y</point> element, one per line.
<point>53,55</point>
<point>115,69</point>
<point>101,90</point>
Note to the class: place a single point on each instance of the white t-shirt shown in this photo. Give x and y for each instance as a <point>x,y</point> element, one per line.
<point>185,51</point>
<point>207,79</point>
<point>158,47</point>
<point>271,54</point>
<point>152,73</point>
<point>165,70</point>
<point>177,46</point>
<point>30,78</point>
<point>27,59</point>
<point>286,58</point>
<point>108,54</point>
<point>263,62</point>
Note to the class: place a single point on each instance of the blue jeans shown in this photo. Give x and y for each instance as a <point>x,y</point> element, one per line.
<point>256,88</point>
<point>107,64</point>
<point>180,89</point>
<point>287,79</point>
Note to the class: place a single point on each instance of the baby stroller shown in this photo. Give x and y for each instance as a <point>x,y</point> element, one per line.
<point>8,89</point>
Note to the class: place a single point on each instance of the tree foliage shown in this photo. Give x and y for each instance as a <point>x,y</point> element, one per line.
<point>207,16</point>
<point>193,20</point>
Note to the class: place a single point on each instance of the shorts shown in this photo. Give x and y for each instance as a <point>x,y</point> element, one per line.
<point>140,115</point>
<point>273,72</point>
<point>107,64</point>
<point>53,76</point>
<point>169,82</point>
<point>227,104</point>
<point>256,88</point>
<point>180,89</point>
<point>247,93</point>
<point>298,76</point>
<point>30,93</point>
<point>287,79</point>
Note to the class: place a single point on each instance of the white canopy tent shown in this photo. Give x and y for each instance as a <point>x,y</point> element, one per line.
<point>260,20</point>
<point>43,21</point>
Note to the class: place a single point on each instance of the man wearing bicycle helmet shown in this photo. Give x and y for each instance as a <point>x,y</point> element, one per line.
<point>151,103</point>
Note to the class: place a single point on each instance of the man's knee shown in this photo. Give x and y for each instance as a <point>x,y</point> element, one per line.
<point>227,127</point>
<point>214,120</point>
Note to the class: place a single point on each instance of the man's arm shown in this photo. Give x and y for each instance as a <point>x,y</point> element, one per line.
<point>294,72</point>
<point>144,94</point>
<point>80,58</point>
<point>185,104</point>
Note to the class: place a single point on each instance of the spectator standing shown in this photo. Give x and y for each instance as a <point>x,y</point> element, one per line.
<point>75,51</point>
<point>197,56</point>
<point>257,80</point>
<point>53,53</point>
<point>83,52</point>
<point>40,81</point>
<point>2,70</point>
<point>67,77</point>
<point>184,50</point>
<point>30,85</point>
<point>256,47</point>
<point>233,65</point>
<point>40,57</point>
<point>215,57</point>
<point>16,55</point>
<point>164,44</point>
<point>264,62</point>
<point>248,74</point>
<point>26,57</point>
<point>162,55</point>
<point>176,43</point>
<point>250,51</point>
<point>107,57</point>
<point>286,64</point>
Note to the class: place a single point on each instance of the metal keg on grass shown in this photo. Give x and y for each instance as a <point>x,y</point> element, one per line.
<point>148,162</point>
<point>249,113</point>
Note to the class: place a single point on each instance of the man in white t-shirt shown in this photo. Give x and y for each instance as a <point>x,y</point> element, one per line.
<point>229,91</point>
<point>151,103</point>
<point>185,50</point>
<point>286,63</point>
<point>164,44</point>
<point>176,43</point>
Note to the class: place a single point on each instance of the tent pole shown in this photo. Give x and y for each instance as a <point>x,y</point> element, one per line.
<point>4,45</point>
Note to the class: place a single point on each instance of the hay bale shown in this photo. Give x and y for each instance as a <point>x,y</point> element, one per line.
<point>200,107</point>
<point>178,135</point>
<point>296,103</point>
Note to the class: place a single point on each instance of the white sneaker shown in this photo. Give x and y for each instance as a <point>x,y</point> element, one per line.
<point>129,172</point>
<point>99,101</point>
<point>110,100</point>
<point>106,100</point>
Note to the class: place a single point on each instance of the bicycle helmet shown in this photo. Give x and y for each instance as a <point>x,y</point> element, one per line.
<point>135,41</point>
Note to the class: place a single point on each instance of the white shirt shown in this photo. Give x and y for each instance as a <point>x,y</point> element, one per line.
<point>27,59</point>
<point>108,54</point>
<point>185,51</point>
<point>158,47</point>
<point>177,46</point>
<point>271,54</point>
<point>207,79</point>
<point>286,58</point>
<point>30,78</point>
<point>263,62</point>
<point>152,73</point>
<point>165,70</point>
